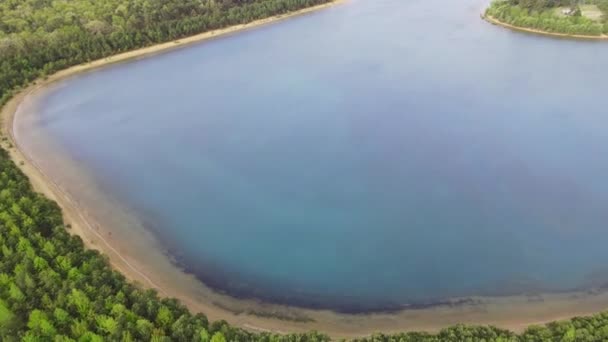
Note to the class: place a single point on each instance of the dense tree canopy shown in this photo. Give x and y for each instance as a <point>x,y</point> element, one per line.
<point>51,287</point>
<point>542,4</point>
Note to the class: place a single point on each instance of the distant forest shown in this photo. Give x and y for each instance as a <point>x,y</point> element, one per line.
<point>52,289</point>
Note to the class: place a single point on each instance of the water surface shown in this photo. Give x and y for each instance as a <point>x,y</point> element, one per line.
<point>375,154</point>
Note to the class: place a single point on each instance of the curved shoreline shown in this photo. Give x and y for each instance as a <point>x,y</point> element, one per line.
<point>497,22</point>
<point>514,312</point>
<point>46,185</point>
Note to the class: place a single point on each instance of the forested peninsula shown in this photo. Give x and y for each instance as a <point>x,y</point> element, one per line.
<point>54,289</point>
<point>565,18</point>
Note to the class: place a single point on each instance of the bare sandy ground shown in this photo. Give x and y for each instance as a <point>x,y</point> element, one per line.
<point>106,226</point>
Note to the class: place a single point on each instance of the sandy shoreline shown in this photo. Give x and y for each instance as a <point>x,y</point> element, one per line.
<point>149,266</point>
<point>495,21</point>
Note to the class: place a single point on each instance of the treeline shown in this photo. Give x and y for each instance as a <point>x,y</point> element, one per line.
<point>39,37</point>
<point>543,4</point>
<point>536,15</point>
<point>579,329</point>
<point>546,4</point>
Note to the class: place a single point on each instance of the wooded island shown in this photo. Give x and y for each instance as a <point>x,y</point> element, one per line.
<point>565,17</point>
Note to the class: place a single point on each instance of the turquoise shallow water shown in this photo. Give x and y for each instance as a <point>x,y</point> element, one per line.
<point>376,154</point>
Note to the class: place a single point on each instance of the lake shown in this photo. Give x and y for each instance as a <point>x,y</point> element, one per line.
<point>376,154</point>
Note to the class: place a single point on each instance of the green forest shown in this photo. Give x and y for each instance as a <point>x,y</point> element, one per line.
<point>577,17</point>
<point>51,287</point>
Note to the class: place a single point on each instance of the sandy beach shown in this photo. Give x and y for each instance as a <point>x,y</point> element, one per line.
<point>136,254</point>
<point>495,21</point>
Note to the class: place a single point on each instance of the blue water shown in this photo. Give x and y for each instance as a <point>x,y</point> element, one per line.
<point>379,153</point>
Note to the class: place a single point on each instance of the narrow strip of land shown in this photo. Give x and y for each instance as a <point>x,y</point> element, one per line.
<point>495,21</point>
